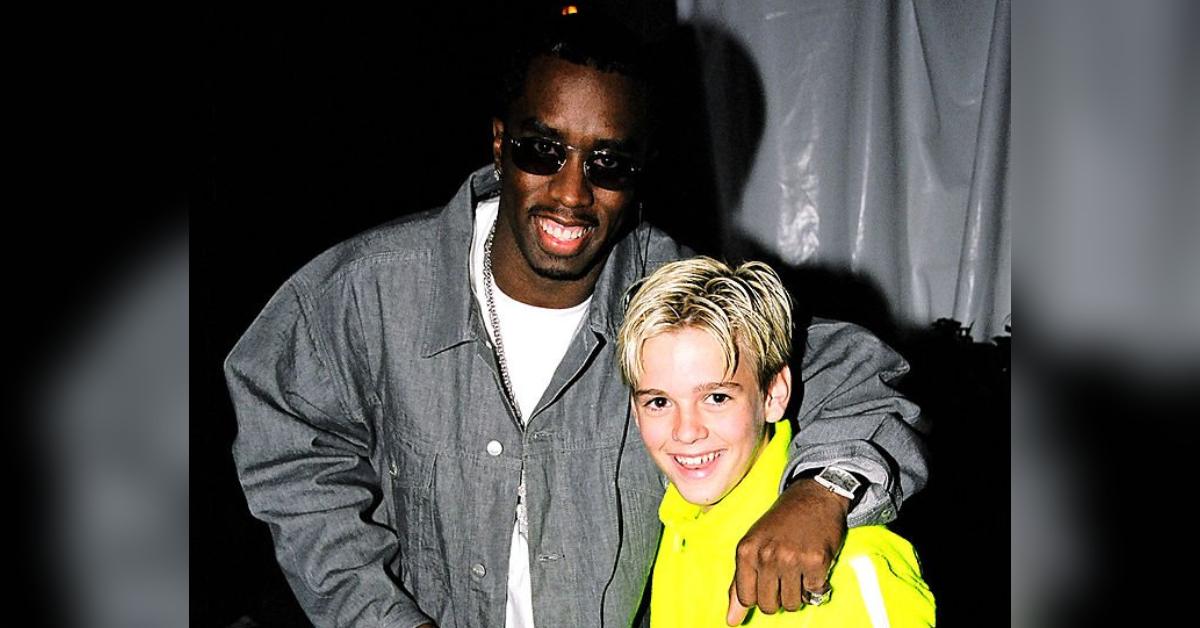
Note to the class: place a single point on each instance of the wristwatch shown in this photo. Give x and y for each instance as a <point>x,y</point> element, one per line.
<point>839,481</point>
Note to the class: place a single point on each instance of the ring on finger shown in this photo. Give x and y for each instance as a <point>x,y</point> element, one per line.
<point>815,598</point>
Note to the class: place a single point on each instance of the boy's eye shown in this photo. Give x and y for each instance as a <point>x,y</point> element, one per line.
<point>657,403</point>
<point>718,398</point>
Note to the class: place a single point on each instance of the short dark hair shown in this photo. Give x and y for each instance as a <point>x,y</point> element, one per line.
<point>590,39</point>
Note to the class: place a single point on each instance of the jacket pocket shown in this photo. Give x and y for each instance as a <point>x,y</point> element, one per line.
<point>409,478</point>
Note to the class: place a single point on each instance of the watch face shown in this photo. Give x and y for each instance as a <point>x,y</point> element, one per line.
<point>841,479</point>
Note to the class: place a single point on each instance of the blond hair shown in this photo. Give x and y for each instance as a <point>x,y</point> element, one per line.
<point>744,308</point>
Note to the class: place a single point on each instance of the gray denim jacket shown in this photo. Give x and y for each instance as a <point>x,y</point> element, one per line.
<point>375,441</point>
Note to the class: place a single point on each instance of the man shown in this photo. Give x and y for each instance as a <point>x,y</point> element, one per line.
<point>430,414</point>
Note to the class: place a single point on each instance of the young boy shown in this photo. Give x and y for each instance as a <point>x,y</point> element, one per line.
<point>705,350</point>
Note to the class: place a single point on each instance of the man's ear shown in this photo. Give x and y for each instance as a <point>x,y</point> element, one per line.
<point>633,409</point>
<point>498,143</point>
<point>778,393</point>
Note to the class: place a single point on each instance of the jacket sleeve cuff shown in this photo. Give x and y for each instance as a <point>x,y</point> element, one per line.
<point>878,504</point>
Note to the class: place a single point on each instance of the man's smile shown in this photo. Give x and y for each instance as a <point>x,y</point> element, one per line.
<point>564,237</point>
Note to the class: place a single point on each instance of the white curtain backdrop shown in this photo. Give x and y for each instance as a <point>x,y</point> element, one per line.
<point>884,146</point>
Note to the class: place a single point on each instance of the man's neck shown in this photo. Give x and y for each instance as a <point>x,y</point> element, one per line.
<point>517,280</point>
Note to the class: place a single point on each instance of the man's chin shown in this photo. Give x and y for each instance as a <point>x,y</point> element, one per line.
<point>560,268</point>
<point>560,274</point>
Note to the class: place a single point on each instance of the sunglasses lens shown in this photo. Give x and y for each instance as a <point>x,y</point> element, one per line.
<point>537,155</point>
<point>611,171</point>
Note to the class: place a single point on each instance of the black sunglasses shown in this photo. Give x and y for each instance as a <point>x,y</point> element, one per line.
<point>603,167</point>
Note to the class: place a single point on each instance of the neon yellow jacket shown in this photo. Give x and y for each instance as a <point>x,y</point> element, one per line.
<point>876,581</point>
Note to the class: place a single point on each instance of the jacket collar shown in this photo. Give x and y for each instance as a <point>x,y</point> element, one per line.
<point>453,309</point>
<point>450,313</point>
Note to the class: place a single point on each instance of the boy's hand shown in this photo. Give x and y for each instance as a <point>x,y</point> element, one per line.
<point>789,550</point>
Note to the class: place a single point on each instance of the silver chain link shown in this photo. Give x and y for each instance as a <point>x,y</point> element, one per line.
<point>498,343</point>
<point>494,318</point>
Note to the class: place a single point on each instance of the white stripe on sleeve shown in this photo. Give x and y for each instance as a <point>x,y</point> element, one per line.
<point>868,583</point>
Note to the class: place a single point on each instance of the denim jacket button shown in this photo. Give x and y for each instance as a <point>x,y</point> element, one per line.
<point>494,447</point>
<point>478,570</point>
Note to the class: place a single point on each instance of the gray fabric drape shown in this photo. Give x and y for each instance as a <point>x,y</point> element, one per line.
<point>884,144</point>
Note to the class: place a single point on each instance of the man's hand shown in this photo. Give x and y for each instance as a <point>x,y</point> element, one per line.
<point>789,550</point>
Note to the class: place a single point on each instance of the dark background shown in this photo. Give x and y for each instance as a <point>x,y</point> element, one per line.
<point>316,124</point>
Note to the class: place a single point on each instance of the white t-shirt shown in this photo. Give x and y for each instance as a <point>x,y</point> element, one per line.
<point>535,341</point>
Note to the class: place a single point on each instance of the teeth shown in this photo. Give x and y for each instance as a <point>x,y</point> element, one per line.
<point>563,233</point>
<point>697,461</point>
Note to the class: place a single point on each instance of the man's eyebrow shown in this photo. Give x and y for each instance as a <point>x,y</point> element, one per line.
<point>622,146</point>
<point>537,126</point>
<point>648,391</point>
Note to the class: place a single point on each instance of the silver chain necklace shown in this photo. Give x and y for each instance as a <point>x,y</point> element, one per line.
<point>509,392</point>
<point>494,318</point>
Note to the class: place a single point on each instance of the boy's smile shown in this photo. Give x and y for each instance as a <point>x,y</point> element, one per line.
<point>703,426</point>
